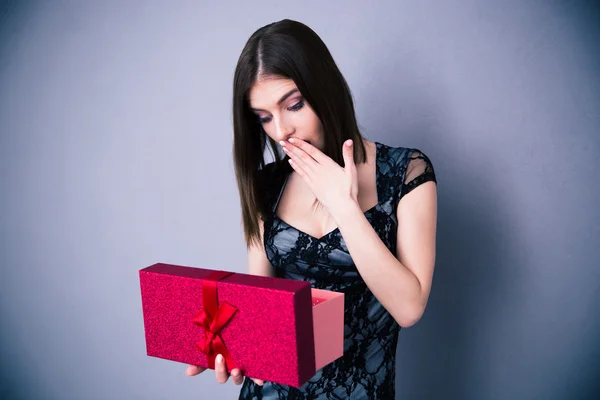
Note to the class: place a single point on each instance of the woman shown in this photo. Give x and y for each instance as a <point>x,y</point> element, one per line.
<point>337,210</point>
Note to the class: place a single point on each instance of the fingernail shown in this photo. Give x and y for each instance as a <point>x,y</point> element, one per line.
<point>220,359</point>
<point>292,140</point>
<point>235,372</point>
<point>349,143</point>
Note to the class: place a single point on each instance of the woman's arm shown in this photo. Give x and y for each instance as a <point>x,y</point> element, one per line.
<point>401,282</point>
<point>258,263</point>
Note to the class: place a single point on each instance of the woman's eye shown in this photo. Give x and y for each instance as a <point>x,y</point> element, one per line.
<point>297,106</point>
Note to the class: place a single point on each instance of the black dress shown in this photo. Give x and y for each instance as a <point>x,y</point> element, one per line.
<point>367,368</point>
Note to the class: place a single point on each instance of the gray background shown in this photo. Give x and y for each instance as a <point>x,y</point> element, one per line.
<point>115,153</point>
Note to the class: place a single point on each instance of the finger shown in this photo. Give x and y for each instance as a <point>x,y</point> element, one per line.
<point>194,370</point>
<point>309,149</point>
<point>221,369</point>
<point>348,153</point>
<point>259,382</point>
<point>236,376</point>
<point>299,157</point>
<point>298,168</point>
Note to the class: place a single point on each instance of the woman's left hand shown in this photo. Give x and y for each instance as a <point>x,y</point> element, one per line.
<point>335,187</point>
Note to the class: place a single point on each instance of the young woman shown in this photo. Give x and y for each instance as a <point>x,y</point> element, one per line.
<point>335,209</point>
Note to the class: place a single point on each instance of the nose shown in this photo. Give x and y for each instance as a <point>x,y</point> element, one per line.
<point>283,130</point>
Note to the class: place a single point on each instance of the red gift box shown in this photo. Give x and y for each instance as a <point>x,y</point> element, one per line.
<point>275,329</point>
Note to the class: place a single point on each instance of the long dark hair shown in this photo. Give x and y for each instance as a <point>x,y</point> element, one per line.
<point>292,50</point>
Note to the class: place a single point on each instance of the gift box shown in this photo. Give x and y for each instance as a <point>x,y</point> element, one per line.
<point>275,329</point>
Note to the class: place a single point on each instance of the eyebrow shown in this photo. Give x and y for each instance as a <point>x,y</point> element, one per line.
<point>282,99</point>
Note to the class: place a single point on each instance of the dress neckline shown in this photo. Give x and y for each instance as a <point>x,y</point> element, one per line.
<point>336,229</point>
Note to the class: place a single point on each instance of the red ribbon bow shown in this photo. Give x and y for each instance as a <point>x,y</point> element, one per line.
<point>213,318</point>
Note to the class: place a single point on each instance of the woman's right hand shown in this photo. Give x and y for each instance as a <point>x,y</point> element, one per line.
<point>221,372</point>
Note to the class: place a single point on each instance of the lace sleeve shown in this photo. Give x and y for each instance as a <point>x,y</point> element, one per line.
<point>418,171</point>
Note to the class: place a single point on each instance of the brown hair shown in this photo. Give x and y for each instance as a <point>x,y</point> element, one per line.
<point>291,50</point>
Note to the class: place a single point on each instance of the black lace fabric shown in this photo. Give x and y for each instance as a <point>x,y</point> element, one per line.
<point>418,171</point>
<point>367,368</point>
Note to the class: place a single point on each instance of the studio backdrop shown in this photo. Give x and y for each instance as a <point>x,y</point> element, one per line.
<point>116,153</point>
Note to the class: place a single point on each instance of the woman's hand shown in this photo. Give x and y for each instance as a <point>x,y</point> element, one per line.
<point>221,372</point>
<point>331,184</point>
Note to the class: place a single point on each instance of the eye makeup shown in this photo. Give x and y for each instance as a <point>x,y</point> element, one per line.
<point>296,107</point>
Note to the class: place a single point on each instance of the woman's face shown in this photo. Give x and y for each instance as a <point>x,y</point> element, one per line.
<point>283,112</point>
